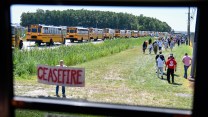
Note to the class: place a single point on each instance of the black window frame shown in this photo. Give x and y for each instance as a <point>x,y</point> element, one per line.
<point>39,29</point>
<point>9,102</point>
<point>28,30</point>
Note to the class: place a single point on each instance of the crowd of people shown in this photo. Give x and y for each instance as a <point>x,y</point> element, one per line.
<point>169,64</point>
<point>161,42</point>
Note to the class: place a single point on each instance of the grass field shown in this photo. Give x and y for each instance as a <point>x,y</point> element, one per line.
<point>25,61</point>
<point>127,77</point>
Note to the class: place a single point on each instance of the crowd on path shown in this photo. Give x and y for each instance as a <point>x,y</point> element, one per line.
<point>158,44</point>
<point>155,45</point>
<point>170,64</point>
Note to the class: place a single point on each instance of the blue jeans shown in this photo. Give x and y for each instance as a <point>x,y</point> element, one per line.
<point>57,90</point>
<point>185,71</point>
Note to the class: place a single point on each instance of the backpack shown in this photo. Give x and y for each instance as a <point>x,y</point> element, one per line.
<point>162,57</point>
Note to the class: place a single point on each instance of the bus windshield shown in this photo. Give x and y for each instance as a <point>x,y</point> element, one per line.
<point>34,29</point>
<point>72,31</point>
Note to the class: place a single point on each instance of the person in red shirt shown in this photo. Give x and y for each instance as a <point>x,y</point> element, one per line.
<point>171,64</point>
<point>170,56</point>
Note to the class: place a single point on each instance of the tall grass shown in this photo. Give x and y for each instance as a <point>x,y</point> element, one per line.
<point>25,61</point>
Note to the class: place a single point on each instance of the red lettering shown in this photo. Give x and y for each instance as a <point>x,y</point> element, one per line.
<point>40,75</point>
<point>73,77</point>
<point>64,75</point>
<point>59,76</point>
<point>78,76</point>
<point>54,73</point>
<point>68,77</point>
<point>44,72</point>
<point>50,75</point>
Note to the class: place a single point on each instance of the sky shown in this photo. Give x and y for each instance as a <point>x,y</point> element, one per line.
<point>175,17</point>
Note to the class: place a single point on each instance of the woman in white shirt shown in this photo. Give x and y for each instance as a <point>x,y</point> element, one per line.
<point>160,65</point>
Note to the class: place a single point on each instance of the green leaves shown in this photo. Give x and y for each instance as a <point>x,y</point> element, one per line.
<point>100,19</point>
<point>25,61</point>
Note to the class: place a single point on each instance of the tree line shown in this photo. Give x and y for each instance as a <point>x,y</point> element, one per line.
<point>99,19</point>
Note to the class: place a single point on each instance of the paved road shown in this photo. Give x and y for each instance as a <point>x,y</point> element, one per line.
<point>31,45</point>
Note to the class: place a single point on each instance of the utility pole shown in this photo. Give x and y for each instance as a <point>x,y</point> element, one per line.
<point>188,28</point>
<point>195,44</point>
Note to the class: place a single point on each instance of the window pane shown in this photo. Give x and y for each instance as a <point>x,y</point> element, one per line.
<point>117,69</point>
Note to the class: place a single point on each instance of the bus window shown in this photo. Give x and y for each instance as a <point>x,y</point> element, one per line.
<point>34,30</point>
<point>72,31</point>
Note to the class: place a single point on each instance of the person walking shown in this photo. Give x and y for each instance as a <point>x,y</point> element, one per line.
<point>169,40</point>
<point>178,41</point>
<point>144,46</point>
<point>150,48</point>
<point>171,56</point>
<point>166,44</point>
<point>160,44</point>
<point>172,43</point>
<point>150,40</point>
<point>171,64</point>
<point>61,64</point>
<point>156,57</point>
<point>160,65</point>
<point>155,47</point>
<point>187,62</point>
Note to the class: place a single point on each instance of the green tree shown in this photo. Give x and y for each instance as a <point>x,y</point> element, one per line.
<point>100,19</point>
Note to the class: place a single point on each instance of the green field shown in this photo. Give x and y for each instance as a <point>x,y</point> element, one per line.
<point>123,76</point>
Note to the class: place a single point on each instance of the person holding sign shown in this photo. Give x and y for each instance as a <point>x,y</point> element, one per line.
<point>61,75</point>
<point>61,64</point>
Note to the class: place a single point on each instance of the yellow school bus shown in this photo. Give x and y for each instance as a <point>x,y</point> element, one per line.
<point>46,34</point>
<point>122,33</point>
<point>135,33</point>
<point>127,33</point>
<point>96,33</point>
<point>16,41</point>
<point>117,33</point>
<point>109,33</point>
<point>100,34</point>
<point>77,34</point>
